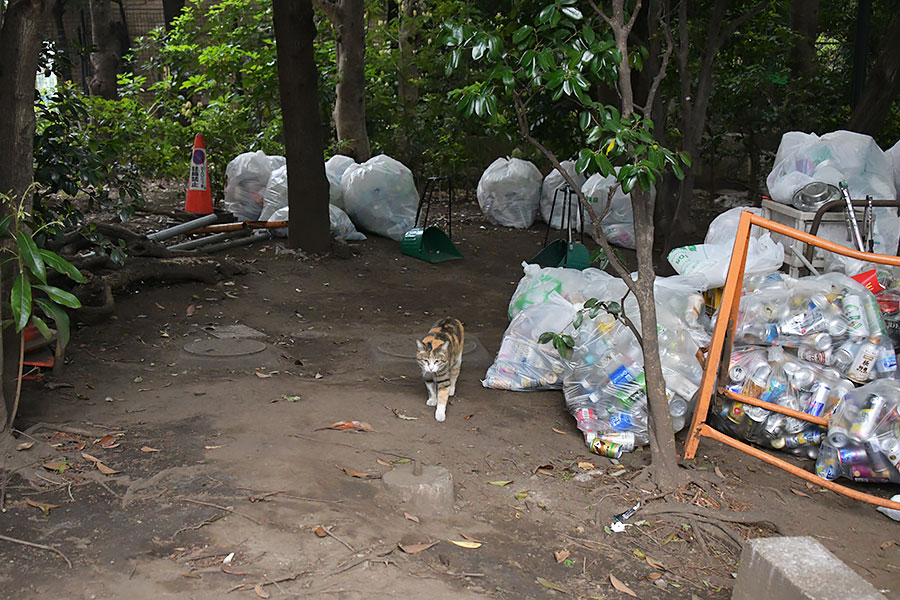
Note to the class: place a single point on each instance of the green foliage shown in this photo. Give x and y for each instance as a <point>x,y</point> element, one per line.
<point>33,266</point>
<point>564,343</point>
<point>558,58</point>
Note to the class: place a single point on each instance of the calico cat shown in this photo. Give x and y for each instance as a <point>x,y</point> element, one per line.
<point>439,355</point>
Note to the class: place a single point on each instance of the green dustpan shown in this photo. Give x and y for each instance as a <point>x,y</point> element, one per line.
<point>430,244</point>
<point>561,254</point>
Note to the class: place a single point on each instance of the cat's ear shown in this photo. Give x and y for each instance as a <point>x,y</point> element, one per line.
<point>420,345</point>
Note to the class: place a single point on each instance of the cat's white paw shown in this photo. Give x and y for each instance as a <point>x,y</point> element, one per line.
<point>453,391</point>
<point>440,415</point>
<point>431,402</point>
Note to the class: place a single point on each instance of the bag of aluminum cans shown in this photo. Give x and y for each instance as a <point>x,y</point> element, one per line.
<point>863,441</point>
<point>779,377</point>
<point>522,363</point>
<point>830,319</point>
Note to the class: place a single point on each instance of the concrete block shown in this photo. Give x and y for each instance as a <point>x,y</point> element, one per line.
<point>428,493</point>
<point>796,568</point>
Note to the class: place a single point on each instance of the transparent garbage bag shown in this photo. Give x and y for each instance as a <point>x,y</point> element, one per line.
<point>334,171</point>
<point>341,226</point>
<point>509,192</point>
<point>380,196</point>
<point>523,364</point>
<point>618,222</point>
<point>863,441</point>
<point>538,283</point>
<point>246,177</point>
<point>276,194</point>
<point>554,181</point>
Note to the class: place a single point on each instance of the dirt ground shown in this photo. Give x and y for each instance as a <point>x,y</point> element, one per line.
<point>223,457</point>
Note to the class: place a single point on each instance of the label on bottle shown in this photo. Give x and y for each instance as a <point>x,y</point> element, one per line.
<point>621,421</point>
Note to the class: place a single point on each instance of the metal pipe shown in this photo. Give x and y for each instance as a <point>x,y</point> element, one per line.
<point>243,225</point>
<point>244,241</point>
<point>828,206</point>
<point>183,228</point>
<point>203,241</point>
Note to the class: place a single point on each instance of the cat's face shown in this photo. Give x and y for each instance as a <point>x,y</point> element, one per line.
<point>431,361</point>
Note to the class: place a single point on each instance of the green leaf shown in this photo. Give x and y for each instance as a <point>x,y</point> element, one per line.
<point>584,159</point>
<point>545,337</point>
<point>584,119</point>
<point>4,224</point>
<point>592,302</point>
<point>613,308</point>
<point>28,250</point>
<point>61,265</point>
<point>20,299</point>
<point>521,33</point>
<point>579,318</point>
<point>59,317</point>
<point>41,326</point>
<point>685,158</point>
<point>572,12</point>
<point>60,296</point>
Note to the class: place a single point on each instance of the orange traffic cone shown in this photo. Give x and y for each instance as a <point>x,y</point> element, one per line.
<point>199,198</point>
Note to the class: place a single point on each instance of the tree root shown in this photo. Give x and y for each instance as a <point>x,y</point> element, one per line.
<point>33,545</point>
<point>715,517</point>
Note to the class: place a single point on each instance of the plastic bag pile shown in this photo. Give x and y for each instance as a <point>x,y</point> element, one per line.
<point>602,381</point>
<point>509,192</point>
<point>380,196</point>
<point>246,177</point>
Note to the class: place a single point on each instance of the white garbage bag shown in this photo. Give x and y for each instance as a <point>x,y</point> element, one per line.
<point>709,261</point>
<point>341,226</point>
<point>380,196</point>
<point>334,171</point>
<point>246,177</point>
<point>509,192</point>
<point>276,194</point>
<point>552,182</point>
<point>618,222</point>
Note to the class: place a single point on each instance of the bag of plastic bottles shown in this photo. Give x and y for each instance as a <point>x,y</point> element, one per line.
<point>246,177</point>
<point>554,182</point>
<point>276,194</point>
<point>509,192</point>
<point>334,171</point>
<point>618,222</point>
<point>341,226</point>
<point>863,441</point>
<point>523,364</point>
<point>380,196</point>
<point>575,286</point>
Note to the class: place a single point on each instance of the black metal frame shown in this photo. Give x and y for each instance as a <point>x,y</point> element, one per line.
<point>566,212</point>
<point>432,185</point>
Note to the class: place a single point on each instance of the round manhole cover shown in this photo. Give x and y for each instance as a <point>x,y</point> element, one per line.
<point>225,347</point>
<point>404,346</point>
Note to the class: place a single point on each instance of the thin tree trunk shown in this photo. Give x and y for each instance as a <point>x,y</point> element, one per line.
<point>105,57</point>
<point>299,85</point>
<point>350,105</point>
<point>805,26</point>
<point>19,48</point>
<point>62,68</point>
<point>407,90</point>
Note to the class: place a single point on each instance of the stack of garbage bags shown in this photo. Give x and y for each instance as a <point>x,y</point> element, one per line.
<point>378,196</point>
<point>602,379</point>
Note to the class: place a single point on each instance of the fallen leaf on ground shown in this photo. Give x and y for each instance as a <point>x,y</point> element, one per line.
<point>230,571</point>
<point>189,311</point>
<point>104,469</point>
<point>400,415</point>
<point>159,306</point>
<point>410,517</point>
<point>415,548</point>
<point>41,505</point>
<point>320,531</point>
<point>348,426</point>
<point>471,539</point>
<point>639,553</point>
<point>191,575</point>
<point>383,463</point>
<point>260,591</point>
<point>467,417</point>
<point>621,586</point>
<point>560,432</point>
<point>719,472</point>
<point>149,449</point>
<point>551,585</point>
<point>90,457</point>
<point>297,398</point>
<point>587,466</point>
<point>466,544</point>
<point>57,465</point>
<point>561,555</point>
<point>108,442</point>
<point>887,544</point>
<point>540,468</point>
<point>522,495</point>
<point>500,483</point>
<point>654,576</point>
<point>24,445</point>
<point>262,375</point>
<point>212,447</point>
<point>654,564</point>
<point>799,493</point>
<point>359,474</point>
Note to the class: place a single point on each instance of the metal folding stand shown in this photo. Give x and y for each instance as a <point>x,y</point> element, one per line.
<point>719,356</point>
<point>426,243</point>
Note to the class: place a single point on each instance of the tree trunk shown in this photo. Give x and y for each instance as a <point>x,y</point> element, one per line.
<point>663,458</point>
<point>171,9</point>
<point>407,90</point>
<point>298,82</point>
<point>350,105</point>
<point>19,49</point>
<point>805,26</point>
<point>105,57</point>
<point>881,88</point>
<point>61,68</point>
